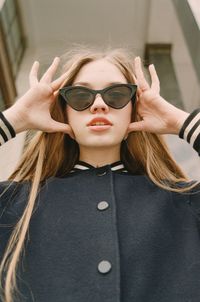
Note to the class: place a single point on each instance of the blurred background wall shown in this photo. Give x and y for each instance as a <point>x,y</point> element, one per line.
<point>166,33</point>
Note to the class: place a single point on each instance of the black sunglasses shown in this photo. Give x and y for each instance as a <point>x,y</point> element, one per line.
<point>116,96</point>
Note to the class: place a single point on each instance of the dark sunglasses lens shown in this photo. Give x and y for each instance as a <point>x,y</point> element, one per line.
<point>78,98</point>
<point>118,97</point>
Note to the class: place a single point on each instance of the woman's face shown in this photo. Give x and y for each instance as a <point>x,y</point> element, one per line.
<point>98,75</point>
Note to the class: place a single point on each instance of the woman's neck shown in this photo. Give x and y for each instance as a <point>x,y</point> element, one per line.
<point>99,157</point>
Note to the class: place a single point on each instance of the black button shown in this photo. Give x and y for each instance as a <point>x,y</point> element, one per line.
<point>101,171</point>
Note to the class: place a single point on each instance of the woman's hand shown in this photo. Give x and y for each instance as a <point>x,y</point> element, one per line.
<point>158,116</point>
<point>32,110</point>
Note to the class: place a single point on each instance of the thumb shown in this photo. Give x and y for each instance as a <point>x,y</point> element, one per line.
<point>136,126</point>
<point>61,127</point>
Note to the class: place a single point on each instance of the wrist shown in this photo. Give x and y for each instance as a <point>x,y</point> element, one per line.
<point>15,119</point>
<point>179,120</point>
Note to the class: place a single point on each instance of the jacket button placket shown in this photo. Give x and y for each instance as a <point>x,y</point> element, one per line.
<point>110,264</point>
<point>104,266</point>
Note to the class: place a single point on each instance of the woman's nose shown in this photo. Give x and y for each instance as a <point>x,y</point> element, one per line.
<point>99,104</point>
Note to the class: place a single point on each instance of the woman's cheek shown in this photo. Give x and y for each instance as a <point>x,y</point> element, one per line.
<point>79,131</point>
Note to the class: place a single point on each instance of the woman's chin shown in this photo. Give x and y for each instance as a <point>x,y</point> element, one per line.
<point>100,142</point>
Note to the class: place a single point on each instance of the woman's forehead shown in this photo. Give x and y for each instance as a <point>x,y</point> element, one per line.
<point>100,70</point>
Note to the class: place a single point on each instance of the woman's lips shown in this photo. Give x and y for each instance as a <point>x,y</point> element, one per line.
<point>99,121</point>
<point>99,127</point>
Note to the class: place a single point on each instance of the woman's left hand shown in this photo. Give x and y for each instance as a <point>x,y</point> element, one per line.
<point>158,115</point>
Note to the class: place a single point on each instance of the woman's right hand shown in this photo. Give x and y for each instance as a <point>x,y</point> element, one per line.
<point>32,110</point>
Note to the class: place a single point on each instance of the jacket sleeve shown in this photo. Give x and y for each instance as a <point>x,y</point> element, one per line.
<point>190,131</point>
<point>6,130</point>
<point>13,198</point>
<point>194,203</point>
<point>189,200</point>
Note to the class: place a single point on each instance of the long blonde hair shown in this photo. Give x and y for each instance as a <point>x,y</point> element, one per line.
<point>54,154</point>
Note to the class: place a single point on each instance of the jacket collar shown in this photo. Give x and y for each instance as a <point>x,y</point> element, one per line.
<point>117,166</point>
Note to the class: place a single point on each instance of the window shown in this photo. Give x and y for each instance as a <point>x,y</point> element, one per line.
<point>12,47</point>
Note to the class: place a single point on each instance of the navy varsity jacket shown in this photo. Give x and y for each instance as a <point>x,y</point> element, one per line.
<point>107,235</point>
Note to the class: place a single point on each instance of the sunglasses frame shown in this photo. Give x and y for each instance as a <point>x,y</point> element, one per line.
<point>133,88</point>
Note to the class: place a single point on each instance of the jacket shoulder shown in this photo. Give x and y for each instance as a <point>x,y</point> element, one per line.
<point>190,197</point>
<point>13,194</point>
<point>194,200</point>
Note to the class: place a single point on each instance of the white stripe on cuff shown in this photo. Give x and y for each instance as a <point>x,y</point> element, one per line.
<point>1,140</point>
<point>194,135</point>
<point>5,129</point>
<point>189,127</point>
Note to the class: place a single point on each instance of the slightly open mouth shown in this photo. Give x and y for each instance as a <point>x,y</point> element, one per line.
<point>99,127</point>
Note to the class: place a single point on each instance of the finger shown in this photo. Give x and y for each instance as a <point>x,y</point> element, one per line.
<point>136,126</point>
<point>33,80</point>
<point>139,91</point>
<point>48,75</point>
<point>154,78</point>
<point>58,82</point>
<point>61,127</point>
<point>56,93</point>
<point>139,74</point>
<point>135,80</point>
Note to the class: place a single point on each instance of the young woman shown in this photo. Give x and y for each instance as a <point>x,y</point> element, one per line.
<point>97,209</point>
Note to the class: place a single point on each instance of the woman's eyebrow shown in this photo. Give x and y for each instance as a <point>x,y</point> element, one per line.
<point>89,84</point>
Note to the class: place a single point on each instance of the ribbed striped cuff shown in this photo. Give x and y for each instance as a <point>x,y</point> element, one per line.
<point>190,131</point>
<point>6,130</point>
